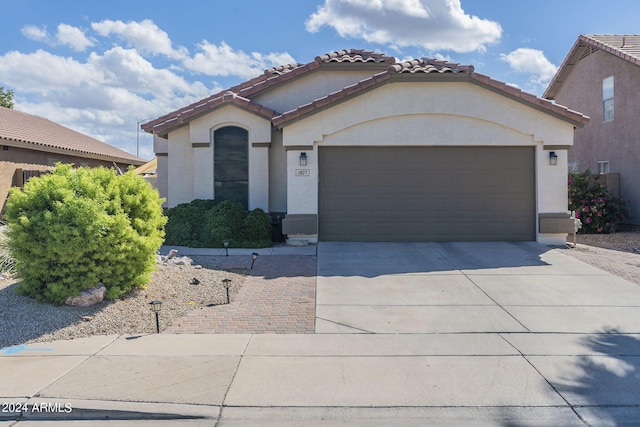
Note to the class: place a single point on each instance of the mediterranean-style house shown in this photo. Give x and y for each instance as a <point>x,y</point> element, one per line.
<point>32,144</point>
<point>601,77</point>
<point>355,146</point>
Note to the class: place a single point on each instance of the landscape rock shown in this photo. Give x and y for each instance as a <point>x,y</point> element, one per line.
<point>87,297</point>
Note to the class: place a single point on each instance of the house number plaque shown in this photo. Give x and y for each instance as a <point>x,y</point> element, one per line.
<point>302,172</point>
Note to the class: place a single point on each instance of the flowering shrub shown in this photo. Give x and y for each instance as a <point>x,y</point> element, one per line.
<point>599,211</point>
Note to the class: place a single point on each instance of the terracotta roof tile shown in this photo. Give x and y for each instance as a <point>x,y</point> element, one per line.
<point>193,111</point>
<point>45,135</point>
<point>425,65</point>
<point>576,117</point>
<point>241,94</point>
<point>355,55</point>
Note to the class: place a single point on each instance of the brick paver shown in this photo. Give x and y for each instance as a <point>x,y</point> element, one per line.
<point>278,296</point>
<point>620,263</point>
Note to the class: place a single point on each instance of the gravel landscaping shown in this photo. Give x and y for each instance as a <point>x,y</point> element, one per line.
<point>25,320</point>
<point>628,241</point>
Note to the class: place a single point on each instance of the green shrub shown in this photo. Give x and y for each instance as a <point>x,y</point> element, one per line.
<point>257,227</point>
<point>207,223</point>
<point>75,228</point>
<point>598,210</point>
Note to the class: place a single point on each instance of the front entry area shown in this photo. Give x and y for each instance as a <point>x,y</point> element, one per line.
<point>426,194</point>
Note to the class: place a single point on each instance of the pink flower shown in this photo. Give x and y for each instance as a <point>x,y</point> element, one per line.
<point>585,209</point>
<point>600,229</point>
<point>577,214</point>
<point>589,220</point>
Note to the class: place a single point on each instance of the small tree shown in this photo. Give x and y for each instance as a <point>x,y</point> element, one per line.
<point>599,211</point>
<point>73,229</point>
<point>6,98</point>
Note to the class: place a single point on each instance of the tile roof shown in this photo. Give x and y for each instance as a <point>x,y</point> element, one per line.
<point>426,65</point>
<point>185,115</point>
<point>624,46</point>
<point>44,135</point>
<point>385,69</point>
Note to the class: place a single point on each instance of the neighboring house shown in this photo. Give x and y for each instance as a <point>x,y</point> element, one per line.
<point>356,147</point>
<point>601,77</point>
<point>30,144</point>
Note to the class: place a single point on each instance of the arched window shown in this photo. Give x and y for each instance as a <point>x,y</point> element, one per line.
<point>231,164</point>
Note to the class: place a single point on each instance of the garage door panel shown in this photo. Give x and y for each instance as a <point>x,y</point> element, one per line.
<point>426,193</point>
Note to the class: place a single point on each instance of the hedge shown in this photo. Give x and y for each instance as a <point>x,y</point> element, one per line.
<point>207,223</point>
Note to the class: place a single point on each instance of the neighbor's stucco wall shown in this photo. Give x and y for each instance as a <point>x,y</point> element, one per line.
<point>191,157</point>
<point>16,156</point>
<point>614,141</point>
<point>434,114</point>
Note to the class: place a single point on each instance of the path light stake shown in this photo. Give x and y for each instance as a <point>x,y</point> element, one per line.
<point>225,242</point>
<point>156,306</point>
<point>254,257</point>
<point>225,283</point>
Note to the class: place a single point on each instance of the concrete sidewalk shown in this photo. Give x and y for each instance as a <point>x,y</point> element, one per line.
<point>492,379</point>
<point>429,334</point>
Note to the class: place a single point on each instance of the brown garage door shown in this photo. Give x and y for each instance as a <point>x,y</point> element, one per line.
<point>426,194</point>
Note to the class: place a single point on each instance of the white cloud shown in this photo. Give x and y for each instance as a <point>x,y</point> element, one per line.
<point>106,92</point>
<point>531,61</point>
<point>431,24</point>
<point>223,60</point>
<point>73,37</point>
<point>34,33</point>
<point>66,35</point>
<point>145,36</point>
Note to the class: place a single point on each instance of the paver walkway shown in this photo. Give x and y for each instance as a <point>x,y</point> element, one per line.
<point>278,296</point>
<point>620,263</point>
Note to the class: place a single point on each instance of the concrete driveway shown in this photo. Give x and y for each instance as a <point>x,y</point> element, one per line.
<point>467,288</point>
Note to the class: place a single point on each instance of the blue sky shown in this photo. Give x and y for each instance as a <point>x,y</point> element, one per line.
<point>102,67</point>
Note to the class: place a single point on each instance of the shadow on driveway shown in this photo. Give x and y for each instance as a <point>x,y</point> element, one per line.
<point>371,259</point>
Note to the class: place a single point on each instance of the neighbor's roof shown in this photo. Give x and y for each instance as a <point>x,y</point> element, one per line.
<point>624,46</point>
<point>38,133</point>
<point>383,68</point>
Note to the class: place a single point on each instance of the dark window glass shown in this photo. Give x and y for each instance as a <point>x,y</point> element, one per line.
<point>231,164</point>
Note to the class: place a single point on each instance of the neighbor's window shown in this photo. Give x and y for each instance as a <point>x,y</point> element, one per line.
<point>603,167</point>
<point>607,99</point>
<point>231,164</point>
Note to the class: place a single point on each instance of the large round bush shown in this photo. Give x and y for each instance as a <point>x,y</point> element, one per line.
<point>75,228</point>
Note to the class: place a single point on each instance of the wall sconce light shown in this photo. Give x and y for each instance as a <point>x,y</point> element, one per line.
<point>303,159</point>
<point>553,158</point>
<point>226,246</point>
<point>156,306</point>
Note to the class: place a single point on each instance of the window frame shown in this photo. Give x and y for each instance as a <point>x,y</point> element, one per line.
<point>608,97</point>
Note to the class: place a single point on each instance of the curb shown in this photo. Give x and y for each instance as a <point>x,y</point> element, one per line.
<point>56,409</point>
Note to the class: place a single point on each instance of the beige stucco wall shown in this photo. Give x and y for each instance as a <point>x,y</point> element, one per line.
<point>312,86</point>
<point>191,153</point>
<point>434,114</point>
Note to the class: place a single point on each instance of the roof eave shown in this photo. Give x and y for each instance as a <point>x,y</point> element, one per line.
<point>31,145</point>
<point>544,105</point>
